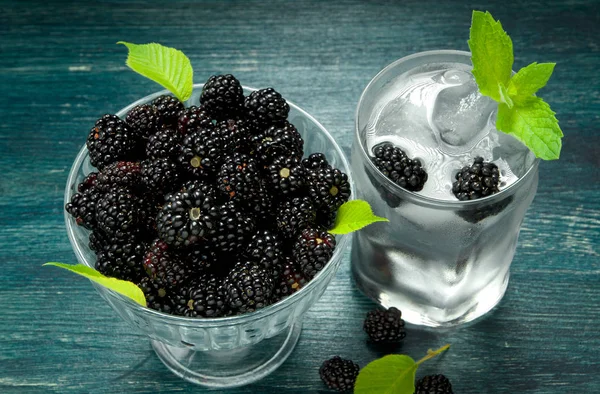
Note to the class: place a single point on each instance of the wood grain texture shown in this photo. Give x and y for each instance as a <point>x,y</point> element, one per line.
<point>60,70</point>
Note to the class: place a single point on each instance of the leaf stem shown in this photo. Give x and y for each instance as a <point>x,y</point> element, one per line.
<point>433,353</point>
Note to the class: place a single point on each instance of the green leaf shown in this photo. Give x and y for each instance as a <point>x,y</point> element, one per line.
<point>529,80</point>
<point>165,66</point>
<point>491,54</point>
<point>128,289</point>
<point>354,215</point>
<point>505,97</point>
<point>393,374</point>
<point>533,123</point>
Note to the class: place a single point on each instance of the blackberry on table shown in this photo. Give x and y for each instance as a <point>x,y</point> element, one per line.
<point>433,384</point>
<point>160,176</point>
<point>143,119</point>
<point>120,174</point>
<point>119,214</point>
<point>279,140</point>
<point>119,258</point>
<point>398,167</point>
<point>289,280</point>
<point>293,215</point>
<point>82,207</point>
<point>339,374</point>
<point>384,326</point>
<point>328,187</point>
<point>233,228</point>
<point>203,297</point>
<point>193,119</point>
<point>285,176</point>
<point>110,140</point>
<point>202,153</point>
<point>223,96</point>
<point>313,249</point>
<point>315,161</point>
<point>239,178</point>
<point>169,110</point>
<point>265,248</point>
<point>266,107</point>
<point>88,182</point>
<point>247,287</point>
<point>165,143</point>
<point>478,180</point>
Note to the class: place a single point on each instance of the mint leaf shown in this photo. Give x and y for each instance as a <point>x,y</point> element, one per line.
<point>128,289</point>
<point>354,215</point>
<point>491,54</point>
<point>393,374</point>
<point>505,97</point>
<point>165,66</point>
<point>533,123</point>
<point>530,79</point>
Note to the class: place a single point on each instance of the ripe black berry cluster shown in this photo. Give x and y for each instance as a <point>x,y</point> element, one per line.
<point>210,209</point>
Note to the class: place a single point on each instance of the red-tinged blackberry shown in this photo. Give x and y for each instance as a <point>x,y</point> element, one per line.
<point>266,107</point>
<point>239,178</point>
<point>193,119</point>
<point>119,258</point>
<point>247,287</point>
<point>290,279</point>
<point>203,297</point>
<point>187,217</point>
<point>82,207</point>
<point>339,374</point>
<point>143,119</point>
<point>202,153</point>
<point>279,140</point>
<point>398,167</point>
<point>88,182</point>
<point>328,187</point>
<point>294,215</point>
<point>233,229</point>
<point>119,213</point>
<point>164,266</point>
<point>161,176</point>
<point>433,384</point>
<point>478,180</point>
<point>223,96</point>
<point>164,143</point>
<point>385,326</point>
<point>235,134</point>
<point>313,249</point>
<point>120,174</point>
<point>285,176</point>
<point>110,140</point>
<point>169,110</point>
<point>265,248</point>
<point>315,161</point>
<point>157,297</point>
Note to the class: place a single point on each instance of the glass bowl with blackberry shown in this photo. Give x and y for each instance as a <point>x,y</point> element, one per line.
<point>218,209</point>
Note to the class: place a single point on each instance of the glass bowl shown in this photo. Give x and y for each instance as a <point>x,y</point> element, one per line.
<point>229,351</point>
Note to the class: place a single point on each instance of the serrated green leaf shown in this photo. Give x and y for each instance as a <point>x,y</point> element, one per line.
<point>128,289</point>
<point>529,80</point>
<point>491,54</point>
<point>354,215</point>
<point>505,97</point>
<point>533,123</point>
<point>166,66</point>
<point>393,374</point>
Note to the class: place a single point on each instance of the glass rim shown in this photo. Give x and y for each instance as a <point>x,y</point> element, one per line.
<point>217,321</point>
<point>413,196</point>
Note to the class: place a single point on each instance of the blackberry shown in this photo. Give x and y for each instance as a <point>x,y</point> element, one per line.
<point>247,287</point>
<point>143,119</point>
<point>315,161</point>
<point>193,119</point>
<point>223,96</point>
<point>398,167</point>
<point>292,216</point>
<point>239,178</point>
<point>110,140</point>
<point>384,326</point>
<point>261,207</point>
<point>157,297</point>
<point>313,249</point>
<point>203,297</point>
<point>266,107</point>
<point>290,279</point>
<point>233,229</point>
<point>202,153</point>
<point>339,374</point>
<point>164,143</point>
<point>265,249</point>
<point>82,207</point>
<point>119,213</point>
<point>280,140</point>
<point>120,174</point>
<point>169,110</point>
<point>326,218</point>
<point>433,384</point>
<point>187,217</point>
<point>119,258</point>
<point>328,187</point>
<point>235,134</point>
<point>200,258</point>
<point>478,180</point>
<point>88,182</point>
<point>160,176</point>
<point>150,204</point>
<point>285,176</point>
<point>164,267</point>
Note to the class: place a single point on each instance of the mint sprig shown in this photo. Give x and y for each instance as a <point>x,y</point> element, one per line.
<point>393,374</point>
<point>354,215</point>
<point>520,113</point>
<point>166,66</point>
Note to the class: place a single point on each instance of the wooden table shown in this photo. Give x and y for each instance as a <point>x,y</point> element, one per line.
<point>60,70</point>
